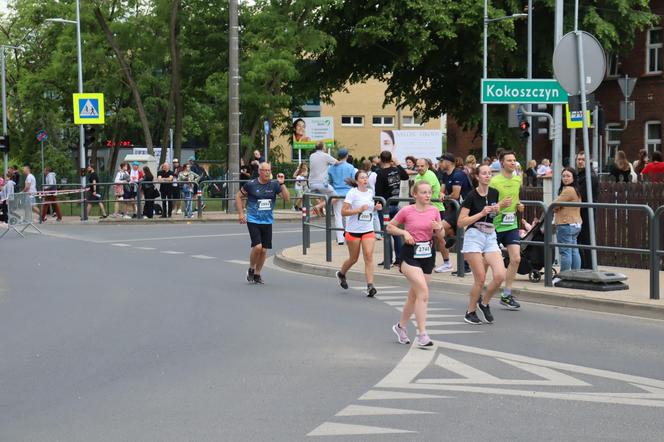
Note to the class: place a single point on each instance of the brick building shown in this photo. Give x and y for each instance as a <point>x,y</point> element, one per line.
<point>645,62</point>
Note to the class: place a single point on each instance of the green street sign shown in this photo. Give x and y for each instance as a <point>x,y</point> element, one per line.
<point>514,90</point>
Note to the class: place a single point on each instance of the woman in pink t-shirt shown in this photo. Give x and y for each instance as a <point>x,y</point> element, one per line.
<point>417,224</point>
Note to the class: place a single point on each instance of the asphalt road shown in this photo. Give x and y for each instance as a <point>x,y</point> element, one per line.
<point>150,332</point>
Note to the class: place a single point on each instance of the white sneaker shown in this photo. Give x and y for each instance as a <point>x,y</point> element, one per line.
<point>446,267</point>
<point>126,217</point>
<point>179,212</point>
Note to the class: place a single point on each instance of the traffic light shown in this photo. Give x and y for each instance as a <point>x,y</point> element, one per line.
<point>90,136</point>
<point>525,129</point>
<point>4,143</point>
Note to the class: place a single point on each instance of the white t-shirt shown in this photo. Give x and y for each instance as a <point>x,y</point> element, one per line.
<point>361,222</point>
<point>32,182</point>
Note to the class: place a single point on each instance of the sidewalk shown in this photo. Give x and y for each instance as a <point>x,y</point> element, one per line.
<point>279,215</point>
<point>634,301</point>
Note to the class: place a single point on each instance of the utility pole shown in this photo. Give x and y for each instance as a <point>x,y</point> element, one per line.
<point>557,156</point>
<point>529,145</point>
<point>233,102</point>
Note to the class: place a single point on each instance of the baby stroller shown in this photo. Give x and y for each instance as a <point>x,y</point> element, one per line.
<point>532,256</point>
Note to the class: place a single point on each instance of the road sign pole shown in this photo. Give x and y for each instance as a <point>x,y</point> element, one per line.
<point>42,163</point>
<point>557,154</point>
<point>572,147</point>
<point>485,116</point>
<point>4,106</point>
<point>81,129</point>
<point>529,145</point>
<point>586,144</point>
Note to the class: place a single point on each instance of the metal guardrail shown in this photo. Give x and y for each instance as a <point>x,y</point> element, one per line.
<point>652,246</point>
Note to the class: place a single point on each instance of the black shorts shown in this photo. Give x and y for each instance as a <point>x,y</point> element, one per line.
<point>508,238</point>
<point>128,195</point>
<point>260,234</point>
<point>426,264</point>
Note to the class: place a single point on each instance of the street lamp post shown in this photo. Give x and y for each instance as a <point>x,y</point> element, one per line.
<point>4,97</point>
<point>82,153</point>
<point>485,116</point>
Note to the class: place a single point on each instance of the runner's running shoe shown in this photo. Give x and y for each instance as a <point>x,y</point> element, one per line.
<point>485,311</point>
<point>423,340</point>
<point>258,279</point>
<point>402,335</point>
<point>342,280</point>
<point>250,275</point>
<point>446,267</point>
<point>509,302</point>
<point>471,318</point>
<point>371,291</point>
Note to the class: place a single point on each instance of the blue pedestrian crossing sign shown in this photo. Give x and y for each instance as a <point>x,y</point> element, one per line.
<point>88,108</point>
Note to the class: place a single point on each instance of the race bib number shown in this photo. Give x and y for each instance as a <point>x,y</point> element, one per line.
<point>265,204</point>
<point>423,250</point>
<point>365,216</point>
<point>509,219</point>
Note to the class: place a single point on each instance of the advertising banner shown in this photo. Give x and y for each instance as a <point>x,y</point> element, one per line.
<point>418,143</point>
<point>310,130</point>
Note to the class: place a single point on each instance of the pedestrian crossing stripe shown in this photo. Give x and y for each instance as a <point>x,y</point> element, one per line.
<point>89,108</point>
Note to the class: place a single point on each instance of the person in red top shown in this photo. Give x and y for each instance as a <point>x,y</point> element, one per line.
<point>417,224</point>
<point>654,170</point>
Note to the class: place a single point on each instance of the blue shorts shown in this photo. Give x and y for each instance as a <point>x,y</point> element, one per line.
<point>475,241</point>
<point>508,238</point>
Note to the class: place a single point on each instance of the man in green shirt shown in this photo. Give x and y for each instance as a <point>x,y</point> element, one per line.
<point>508,185</point>
<point>424,174</point>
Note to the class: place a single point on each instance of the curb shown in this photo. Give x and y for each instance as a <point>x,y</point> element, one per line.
<point>547,298</point>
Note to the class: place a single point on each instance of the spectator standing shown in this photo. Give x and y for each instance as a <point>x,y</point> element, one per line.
<point>30,186</point>
<point>256,160</point>
<point>121,188</point>
<point>93,194</point>
<point>584,234</point>
<point>165,178</point>
<point>149,192</point>
<point>245,175</point>
<point>6,193</point>
<point>388,184</point>
<point>495,163</point>
<point>135,175</point>
<point>188,178</point>
<point>176,195</point>
<point>654,169</point>
<point>544,169</point>
<point>339,174</point>
<point>621,169</point>
<point>531,174</point>
<point>454,184</point>
<point>50,186</point>
<point>300,176</point>
<point>641,162</point>
<point>16,177</point>
<point>568,220</point>
<point>375,163</point>
<point>319,161</point>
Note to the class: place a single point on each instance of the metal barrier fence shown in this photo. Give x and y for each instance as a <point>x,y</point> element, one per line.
<point>19,213</point>
<point>387,238</point>
<point>215,190</point>
<point>548,240</point>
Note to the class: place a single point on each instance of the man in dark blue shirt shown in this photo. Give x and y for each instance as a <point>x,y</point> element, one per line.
<point>261,194</point>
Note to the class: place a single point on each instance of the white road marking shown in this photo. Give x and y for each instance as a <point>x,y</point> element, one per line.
<point>434,332</point>
<point>146,248</point>
<point>220,235</point>
<point>395,303</point>
<point>439,309</point>
<point>379,395</point>
<point>171,252</point>
<point>336,429</point>
<point>237,261</point>
<point>203,257</point>
<point>363,410</point>
<point>441,316</point>
<point>404,376</point>
<point>378,287</point>
<point>394,292</point>
<point>119,244</point>
<point>443,323</point>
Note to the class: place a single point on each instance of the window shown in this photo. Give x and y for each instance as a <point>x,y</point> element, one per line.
<point>653,136</point>
<point>382,120</point>
<point>410,120</point>
<point>613,65</point>
<point>654,51</point>
<point>352,120</point>
<point>612,140</point>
